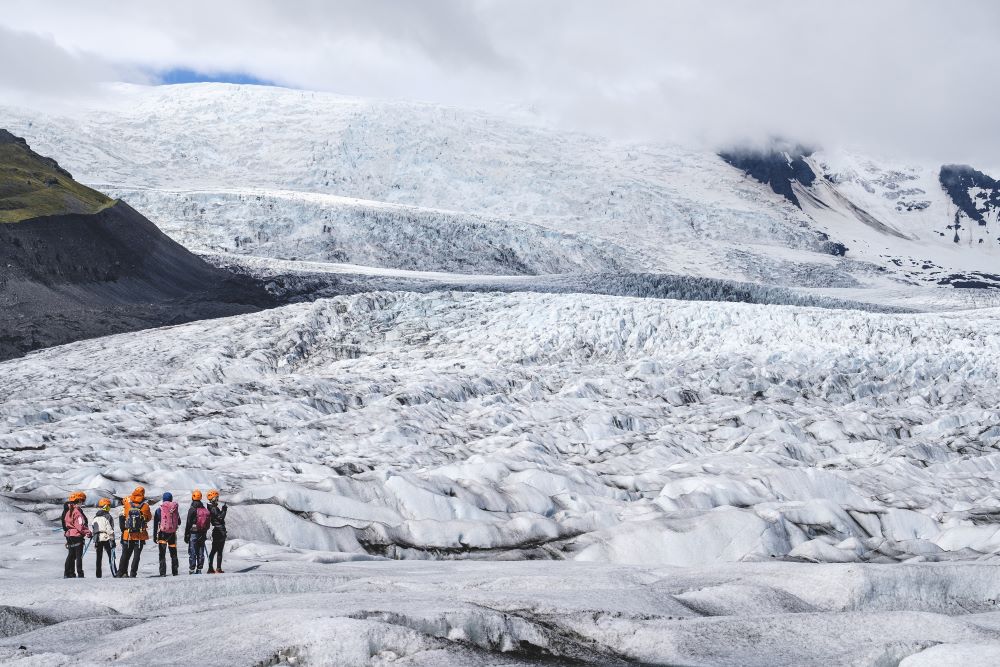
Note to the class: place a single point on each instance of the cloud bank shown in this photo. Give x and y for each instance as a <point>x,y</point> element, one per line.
<point>912,78</point>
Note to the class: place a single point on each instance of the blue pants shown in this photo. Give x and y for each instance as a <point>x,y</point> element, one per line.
<point>196,551</point>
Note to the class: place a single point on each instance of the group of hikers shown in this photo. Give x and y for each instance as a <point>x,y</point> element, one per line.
<point>133,523</point>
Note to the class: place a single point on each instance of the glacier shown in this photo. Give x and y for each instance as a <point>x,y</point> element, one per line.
<point>535,398</point>
<point>293,174</point>
<point>670,470</point>
<point>557,426</point>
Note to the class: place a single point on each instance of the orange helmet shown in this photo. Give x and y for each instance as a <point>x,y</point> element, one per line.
<point>77,497</point>
<point>104,503</point>
<point>213,495</point>
<point>196,494</point>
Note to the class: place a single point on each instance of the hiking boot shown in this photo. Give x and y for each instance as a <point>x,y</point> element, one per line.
<point>211,571</point>
<point>219,571</point>
<point>197,571</point>
<point>190,571</point>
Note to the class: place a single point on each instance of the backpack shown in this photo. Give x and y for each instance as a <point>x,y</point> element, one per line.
<point>169,517</point>
<point>135,522</point>
<point>202,519</point>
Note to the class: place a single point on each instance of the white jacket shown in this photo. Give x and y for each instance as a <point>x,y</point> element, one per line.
<point>104,529</point>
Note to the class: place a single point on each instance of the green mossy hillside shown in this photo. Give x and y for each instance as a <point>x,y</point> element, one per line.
<point>33,186</point>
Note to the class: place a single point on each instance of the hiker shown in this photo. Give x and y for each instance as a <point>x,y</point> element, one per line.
<point>133,521</point>
<point>198,521</point>
<point>166,520</point>
<point>74,524</point>
<point>104,536</point>
<point>218,531</point>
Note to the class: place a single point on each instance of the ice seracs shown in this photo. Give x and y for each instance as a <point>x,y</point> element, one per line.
<point>531,425</point>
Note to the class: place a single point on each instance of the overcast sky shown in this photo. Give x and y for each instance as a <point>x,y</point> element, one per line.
<point>915,78</point>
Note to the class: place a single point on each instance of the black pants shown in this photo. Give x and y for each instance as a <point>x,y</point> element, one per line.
<point>74,557</point>
<point>196,551</point>
<point>130,549</point>
<point>167,541</point>
<point>103,548</point>
<point>218,542</point>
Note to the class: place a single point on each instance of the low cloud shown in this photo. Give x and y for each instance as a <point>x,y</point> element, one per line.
<point>915,79</point>
<point>36,64</point>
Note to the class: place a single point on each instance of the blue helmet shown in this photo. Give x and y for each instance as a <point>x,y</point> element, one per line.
<point>167,495</point>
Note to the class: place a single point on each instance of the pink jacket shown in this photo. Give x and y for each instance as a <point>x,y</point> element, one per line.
<point>75,522</point>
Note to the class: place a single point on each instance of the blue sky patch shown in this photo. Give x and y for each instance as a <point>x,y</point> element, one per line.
<point>184,75</point>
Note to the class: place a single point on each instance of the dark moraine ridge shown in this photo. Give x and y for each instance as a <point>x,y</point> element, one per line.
<point>77,275</point>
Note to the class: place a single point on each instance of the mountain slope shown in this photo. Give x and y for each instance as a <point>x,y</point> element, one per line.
<point>925,225</point>
<point>72,273</point>
<point>32,186</point>
<point>277,165</point>
<point>312,176</point>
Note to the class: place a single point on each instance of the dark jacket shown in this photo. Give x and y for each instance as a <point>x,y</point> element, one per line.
<point>218,514</point>
<point>191,517</point>
<point>218,518</point>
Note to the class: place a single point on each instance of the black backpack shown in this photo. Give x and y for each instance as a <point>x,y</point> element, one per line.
<point>134,521</point>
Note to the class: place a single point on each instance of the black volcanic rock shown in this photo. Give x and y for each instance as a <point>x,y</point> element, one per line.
<point>778,167</point>
<point>958,179</point>
<point>79,275</point>
<point>8,138</point>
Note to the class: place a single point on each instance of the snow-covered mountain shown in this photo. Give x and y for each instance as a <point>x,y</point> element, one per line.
<point>934,224</point>
<point>302,175</point>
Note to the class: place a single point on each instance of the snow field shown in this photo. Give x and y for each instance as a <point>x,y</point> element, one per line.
<point>609,429</point>
<point>498,613</point>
